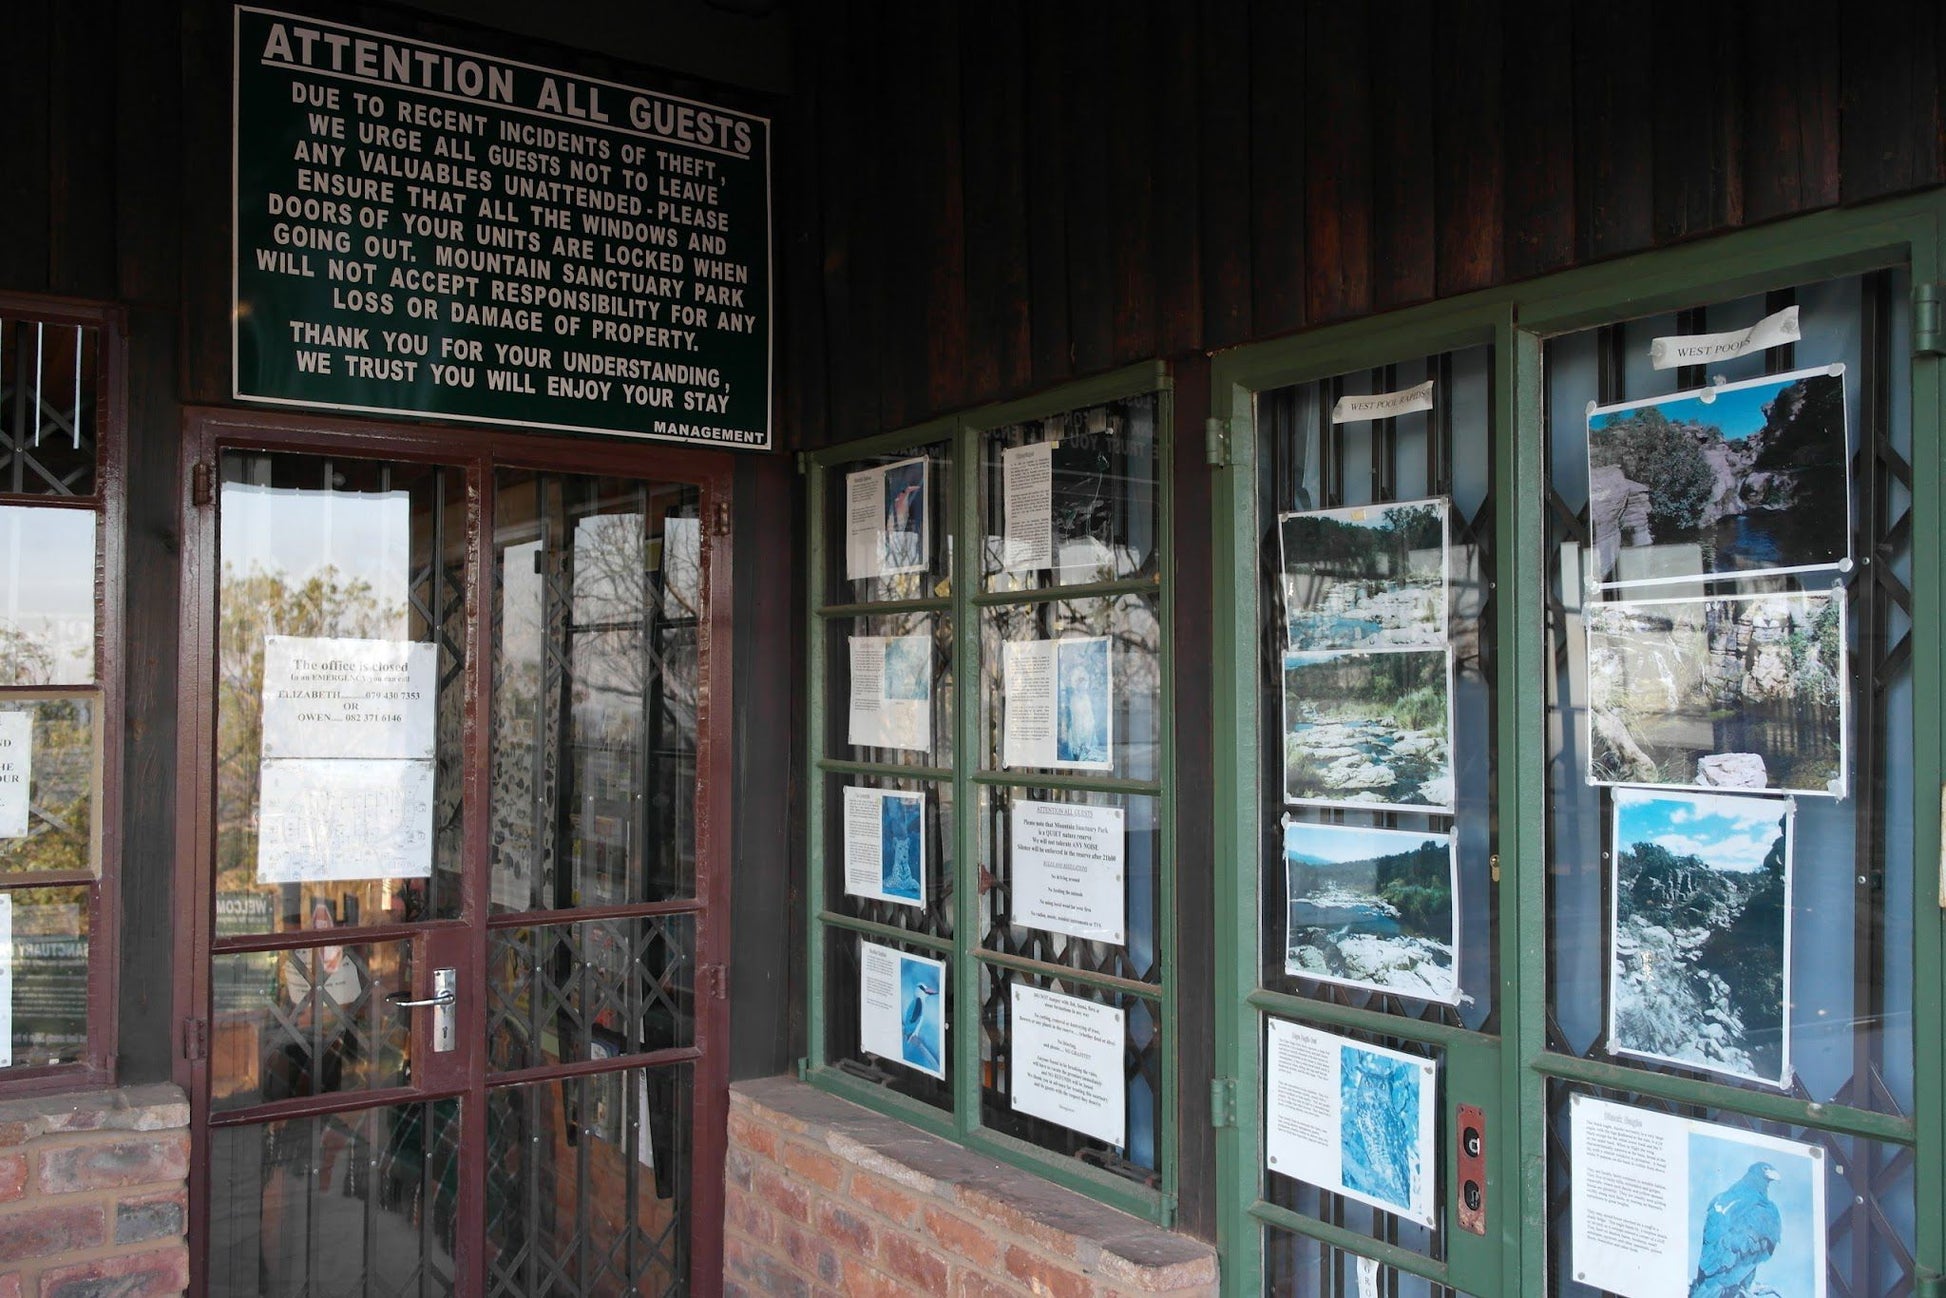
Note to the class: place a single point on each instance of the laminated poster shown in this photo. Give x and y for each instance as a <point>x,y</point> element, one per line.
<point>1744,479</point>
<point>1069,869</point>
<point>16,771</point>
<point>902,1008</point>
<point>1740,693</point>
<point>891,691</point>
<point>1373,909</point>
<point>885,845</point>
<point>344,819</point>
<point>332,697</point>
<point>1067,1062</point>
<point>886,530</point>
<point>1667,1205</point>
<point>1369,729</point>
<point>6,980</point>
<point>1351,1119</point>
<point>1059,708</point>
<point>1700,965</point>
<point>1368,577</point>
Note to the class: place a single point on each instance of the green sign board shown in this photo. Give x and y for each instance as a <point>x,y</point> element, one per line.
<point>426,231</point>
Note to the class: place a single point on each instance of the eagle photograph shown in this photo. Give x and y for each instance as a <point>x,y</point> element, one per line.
<point>1751,1229</point>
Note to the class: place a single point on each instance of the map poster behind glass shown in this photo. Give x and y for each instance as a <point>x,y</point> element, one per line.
<point>1067,1063</point>
<point>1351,1119</point>
<point>1668,1205</point>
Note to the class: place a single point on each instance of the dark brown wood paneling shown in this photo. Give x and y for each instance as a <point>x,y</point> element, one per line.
<point>1275,59</point>
<point>852,258</point>
<point>81,125</point>
<point>798,319</point>
<point>1695,111</point>
<point>26,38</point>
<point>206,198</point>
<point>1337,164</point>
<point>1128,211</point>
<point>1048,148</point>
<point>1890,137</point>
<point>993,94</point>
<point>941,191</point>
<point>1092,106</point>
<point>1404,124</point>
<point>1224,150</point>
<point>1469,176</point>
<point>1177,176</point>
<point>1614,60</point>
<point>1538,36</point>
<point>1790,110</point>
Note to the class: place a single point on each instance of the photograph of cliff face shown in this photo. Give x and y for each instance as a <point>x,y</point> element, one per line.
<point>1368,577</point>
<point>1744,479</point>
<point>1700,968</point>
<point>1746,692</point>
<point>1372,908</point>
<point>1368,729</point>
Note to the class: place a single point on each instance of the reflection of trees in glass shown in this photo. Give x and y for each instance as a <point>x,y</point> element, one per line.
<point>59,820</point>
<point>259,604</point>
<point>24,660</point>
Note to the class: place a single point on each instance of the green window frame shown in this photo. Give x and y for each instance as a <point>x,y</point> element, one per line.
<point>963,451</point>
<point>1510,1072</point>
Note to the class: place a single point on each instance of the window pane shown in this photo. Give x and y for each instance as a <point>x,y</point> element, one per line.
<point>913,885</point>
<point>47,596</point>
<point>337,550</point>
<point>54,750</point>
<point>596,600</point>
<point>354,1203</point>
<point>568,993</point>
<point>50,974</point>
<point>587,1185</point>
<point>889,528</point>
<point>50,422</point>
<point>1754,943</point>
<point>309,1021</point>
<point>1085,509</point>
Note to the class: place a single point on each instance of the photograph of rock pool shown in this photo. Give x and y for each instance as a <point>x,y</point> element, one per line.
<point>1373,909</point>
<point>1368,729</point>
<point>1367,577</point>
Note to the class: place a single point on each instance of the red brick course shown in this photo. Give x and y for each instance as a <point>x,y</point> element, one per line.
<point>92,1199</point>
<point>826,1198</point>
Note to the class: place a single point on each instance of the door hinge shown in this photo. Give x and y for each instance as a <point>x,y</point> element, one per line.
<point>200,490</point>
<point>1223,1102</point>
<point>1216,444</point>
<point>1930,1284</point>
<point>1929,319</point>
<point>721,518</point>
<point>803,464</point>
<point>716,985</point>
<point>195,1039</point>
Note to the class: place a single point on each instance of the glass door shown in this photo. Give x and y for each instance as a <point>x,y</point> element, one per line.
<point>448,877</point>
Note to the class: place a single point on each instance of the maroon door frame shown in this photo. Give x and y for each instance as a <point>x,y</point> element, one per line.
<point>206,434</point>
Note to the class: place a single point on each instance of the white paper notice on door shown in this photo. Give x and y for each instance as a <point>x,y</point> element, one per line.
<point>1663,1204</point>
<point>16,771</point>
<point>1349,1118</point>
<point>1059,706</point>
<point>902,1007</point>
<point>338,697</point>
<point>1027,493</point>
<point>891,691</point>
<point>885,845</point>
<point>1069,869</point>
<point>6,980</point>
<point>336,819</point>
<point>1068,1062</point>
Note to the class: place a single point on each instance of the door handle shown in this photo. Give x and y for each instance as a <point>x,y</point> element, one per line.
<point>445,994</point>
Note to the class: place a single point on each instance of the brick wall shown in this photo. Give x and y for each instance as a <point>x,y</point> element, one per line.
<point>824,1198</point>
<point>92,1195</point>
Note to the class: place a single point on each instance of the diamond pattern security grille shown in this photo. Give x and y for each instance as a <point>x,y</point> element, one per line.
<point>598,989</point>
<point>48,408</point>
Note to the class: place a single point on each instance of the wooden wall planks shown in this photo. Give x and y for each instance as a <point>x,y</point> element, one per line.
<point>1155,178</point>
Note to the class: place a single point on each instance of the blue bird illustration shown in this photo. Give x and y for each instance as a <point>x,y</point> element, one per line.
<point>915,1026</point>
<point>1740,1232</point>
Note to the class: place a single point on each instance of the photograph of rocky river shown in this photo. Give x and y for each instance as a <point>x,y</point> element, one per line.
<point>1369,729</point>
<point>1744,478</point>
<point>1367,577</point>
<point>1372,908</point>
<point>1745,692</point>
